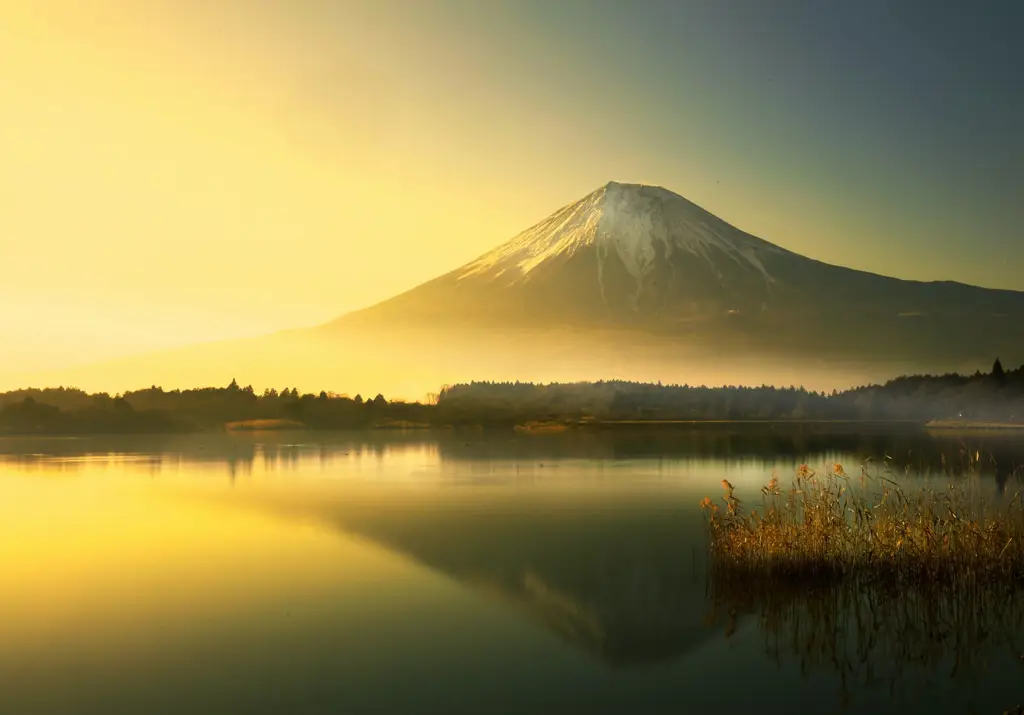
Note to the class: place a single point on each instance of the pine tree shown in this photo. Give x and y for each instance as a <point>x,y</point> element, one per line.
<point>997,369</point>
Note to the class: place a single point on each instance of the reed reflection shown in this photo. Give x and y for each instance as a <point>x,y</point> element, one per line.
<point>871,636</point>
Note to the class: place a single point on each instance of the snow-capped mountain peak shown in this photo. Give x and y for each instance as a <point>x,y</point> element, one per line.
<point>634,222</point>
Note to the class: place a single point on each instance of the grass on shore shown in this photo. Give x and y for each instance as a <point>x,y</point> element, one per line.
<point>542,427</point>
<point>260,425</point>
<point>831,527</point>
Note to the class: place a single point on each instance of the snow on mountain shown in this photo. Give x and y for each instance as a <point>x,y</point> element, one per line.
<point>636,223</point>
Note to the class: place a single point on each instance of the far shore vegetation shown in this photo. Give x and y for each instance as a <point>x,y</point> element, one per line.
<point>989,401</point>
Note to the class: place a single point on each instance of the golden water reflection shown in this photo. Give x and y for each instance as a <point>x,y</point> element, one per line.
<point>290,574</point>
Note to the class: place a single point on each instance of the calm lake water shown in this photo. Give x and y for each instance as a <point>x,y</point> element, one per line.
<point>452,573</point>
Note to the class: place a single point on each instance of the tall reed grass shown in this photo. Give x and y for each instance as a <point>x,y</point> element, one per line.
<point>871,578</point>
<point>830,526</point>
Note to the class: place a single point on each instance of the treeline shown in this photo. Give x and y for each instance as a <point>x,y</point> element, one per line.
<point>69,410</point>
<point>518,403</point>
<point>997,396</point>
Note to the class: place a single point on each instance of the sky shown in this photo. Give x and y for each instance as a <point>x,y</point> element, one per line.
<point>182,171</point>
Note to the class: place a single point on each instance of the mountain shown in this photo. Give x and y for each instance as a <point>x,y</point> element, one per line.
<point>623,253</point>
<point>642,256</point>
<point>631,282</point>
<point>660,276</point>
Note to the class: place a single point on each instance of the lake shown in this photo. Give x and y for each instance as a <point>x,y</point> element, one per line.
<point>452,572</point>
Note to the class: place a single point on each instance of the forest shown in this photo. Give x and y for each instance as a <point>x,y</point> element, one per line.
<point>993,397</point>
<point>69,411</point>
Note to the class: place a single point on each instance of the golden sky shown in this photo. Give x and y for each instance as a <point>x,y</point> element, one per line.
<point>180,171</point>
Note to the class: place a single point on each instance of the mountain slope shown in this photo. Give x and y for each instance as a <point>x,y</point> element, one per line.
<point>645,260</point>
<point>630,282</point>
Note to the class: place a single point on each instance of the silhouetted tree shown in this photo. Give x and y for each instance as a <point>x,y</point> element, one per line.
<point>997,369</point>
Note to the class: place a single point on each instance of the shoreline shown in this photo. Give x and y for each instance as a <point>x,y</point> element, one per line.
<point>968,426</point>
<point>550,427</point>
<point>529,428</point>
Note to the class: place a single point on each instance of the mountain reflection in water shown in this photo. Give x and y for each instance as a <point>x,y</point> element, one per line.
<point>597,538</point>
